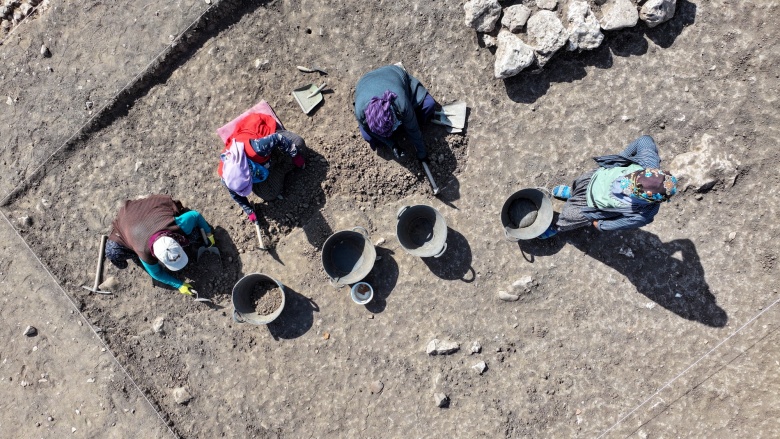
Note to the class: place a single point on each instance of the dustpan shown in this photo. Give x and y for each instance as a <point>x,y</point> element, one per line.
<point>452,115</point>
<point>308,97</point>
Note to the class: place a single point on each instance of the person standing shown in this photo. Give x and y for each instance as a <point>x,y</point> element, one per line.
<point>624,192</point>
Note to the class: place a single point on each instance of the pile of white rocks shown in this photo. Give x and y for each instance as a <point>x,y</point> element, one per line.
<point>532,31</point>
<point>14,11</point>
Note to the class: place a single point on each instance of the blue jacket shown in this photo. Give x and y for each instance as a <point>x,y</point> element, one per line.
<point>643,152</point>
<point>411,95</point>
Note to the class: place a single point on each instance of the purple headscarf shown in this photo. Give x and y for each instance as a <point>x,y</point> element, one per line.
<point>379,114</point>
<point>235,169</point>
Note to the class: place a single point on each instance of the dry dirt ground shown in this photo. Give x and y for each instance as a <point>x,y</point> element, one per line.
<point>679,340</point>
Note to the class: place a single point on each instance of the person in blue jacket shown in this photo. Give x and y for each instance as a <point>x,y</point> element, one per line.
<point>389,98</point>
<point>156,229</point>
<point>625,192</point>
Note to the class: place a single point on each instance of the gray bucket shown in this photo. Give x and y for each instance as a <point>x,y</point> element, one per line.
<point>348,256</point>
<point>422,231</point>
<point>243,309</point>
<point>526,214</point>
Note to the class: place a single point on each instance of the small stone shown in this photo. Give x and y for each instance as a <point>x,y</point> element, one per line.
<point>45,52</point>
<point>158,325</point>
<point>88,105</point>
<point>9,101</point>
<point>376,387</point>
<point>370,317</point>
<point>655,12</point>
<point>90,380</point>
<point>326,336</point>
<point>379,242</point>
<point>476,347</point>
<point>181,395</point>
<point>523,284</point>
<point>439,347</point>
<point>732,235</point>
<point>547,4</point>
<point>109,284</point>
<point>30,331</point>
<point>489,40</point>
<point>72,429</point>
<point>480,367</point>
<point>507,297</point>
<point>208,2</point>
<point>441,399</point>
<point>699,197</point>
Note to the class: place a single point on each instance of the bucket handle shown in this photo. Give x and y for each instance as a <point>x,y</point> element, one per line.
<point>443,249</point>
<point>361,230</point>
<point>401,211</point>
<point>237,317</point>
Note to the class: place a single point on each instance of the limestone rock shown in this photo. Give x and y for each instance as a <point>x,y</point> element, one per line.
<point>181,395</point>
<point>30,331</point>
<point>489,40</point>
<point>512,55</point>
<point>158,325</point>
<point>476,347</point>
<point>704,166</point>
<point>441,399</point>
<point>546,4</point>
<point>507,297</point>
<point>515,17</point>
<point>546,35</point>
<point>439,347</point>
<point>583,27</point>
<point>655,12</point>
<point>482,15</point>
<point>522,285</point>
<point>618,14</point>
<point>376,387</point>
<point>45,52</point>
<point>480,367</point>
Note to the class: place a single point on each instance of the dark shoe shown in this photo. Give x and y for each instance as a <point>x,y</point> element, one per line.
<point>562,192</point>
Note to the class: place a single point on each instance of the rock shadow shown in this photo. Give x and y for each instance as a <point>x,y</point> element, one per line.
<point>296,318</point>
<point>383,278</point>
<point>668,273</point>
<point>455,263</point>
<point>530,85</point>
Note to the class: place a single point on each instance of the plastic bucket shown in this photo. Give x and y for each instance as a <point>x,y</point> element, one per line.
<point>243,306</point>
<point>526,214</point>
<point>422,231</point>
<point>362,293</point>
<point>348,256</point>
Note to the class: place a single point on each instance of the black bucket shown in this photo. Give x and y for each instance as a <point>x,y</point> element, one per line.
<point>422,231</point>
<point>526,214</point>
<point>243,309</point>
<point>348,256</point>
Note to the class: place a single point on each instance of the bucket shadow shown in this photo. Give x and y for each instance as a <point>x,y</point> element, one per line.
<point>455,263</point>
<point>383,278</point>
<point>296,318</point>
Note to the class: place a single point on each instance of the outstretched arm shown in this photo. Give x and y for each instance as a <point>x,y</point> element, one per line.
<point>157,273</point>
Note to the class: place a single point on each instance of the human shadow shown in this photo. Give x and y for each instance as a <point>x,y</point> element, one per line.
<point>529,85</point>
<point>301,199</point>
<point>455,262</point>
<point>668,273</point>
<point>383,278</point>
<point>296,318</point>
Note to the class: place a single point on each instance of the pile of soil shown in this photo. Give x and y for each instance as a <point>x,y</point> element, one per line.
<point>266,298</point>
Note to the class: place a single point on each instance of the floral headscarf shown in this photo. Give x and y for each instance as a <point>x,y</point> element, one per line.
<point>653,185</point>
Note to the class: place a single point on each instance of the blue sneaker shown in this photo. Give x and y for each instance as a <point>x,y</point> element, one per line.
<point>549,233</point>
<point>562,192</point>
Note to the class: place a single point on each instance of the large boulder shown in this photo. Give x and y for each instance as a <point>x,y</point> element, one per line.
<point>584,28</point>
<point>482,15</point>
<point>546,35</point>
<point>619,14</point>
<point>546,4</point>
<point>655,12</point>
<point>515,17</point>
<point>707,164</point>
<point>512,55</point>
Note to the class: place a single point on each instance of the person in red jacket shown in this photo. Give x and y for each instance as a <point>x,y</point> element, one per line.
<point>246,162</point>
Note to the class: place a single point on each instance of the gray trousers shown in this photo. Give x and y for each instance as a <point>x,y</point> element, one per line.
<point>571,216</point>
